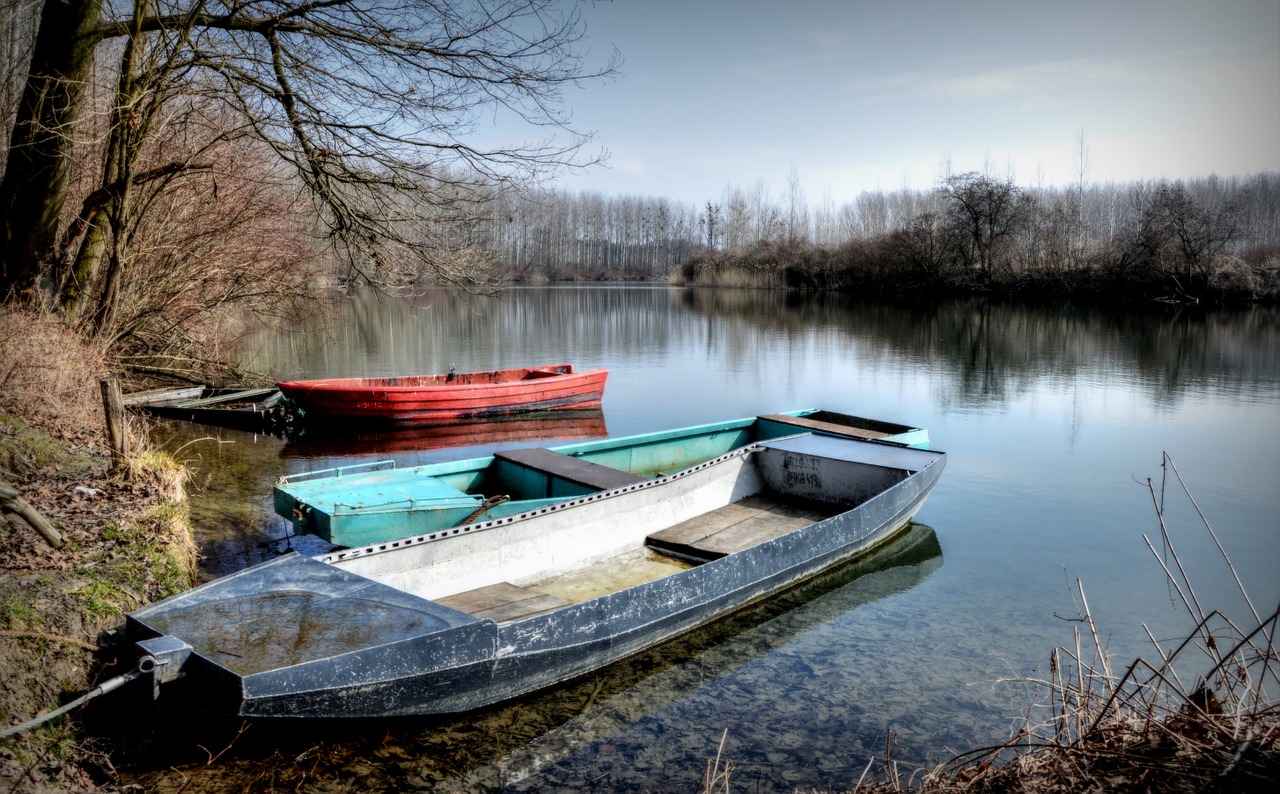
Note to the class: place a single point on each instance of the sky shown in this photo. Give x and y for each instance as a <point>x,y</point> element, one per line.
<point>870,95</point>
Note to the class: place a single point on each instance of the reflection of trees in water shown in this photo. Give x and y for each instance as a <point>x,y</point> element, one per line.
<point>984,351</point>
<point>995,350</point>
<point>372,334</point>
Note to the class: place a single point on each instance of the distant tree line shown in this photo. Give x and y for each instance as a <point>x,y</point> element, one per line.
<point>1212,239</point>
<point>553,235</point>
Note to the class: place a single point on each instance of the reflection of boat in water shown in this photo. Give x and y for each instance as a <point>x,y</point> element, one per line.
<point>318,442</point>
<point>458,620</point>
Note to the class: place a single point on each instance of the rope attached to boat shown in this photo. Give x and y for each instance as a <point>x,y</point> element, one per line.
<point>489,504</point>
<point>102,689</point>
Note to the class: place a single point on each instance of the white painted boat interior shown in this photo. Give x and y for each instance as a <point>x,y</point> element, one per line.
<point>514,567</point>
<point>553,543</point>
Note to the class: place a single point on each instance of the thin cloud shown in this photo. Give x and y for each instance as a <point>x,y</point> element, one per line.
<point>948,82</point>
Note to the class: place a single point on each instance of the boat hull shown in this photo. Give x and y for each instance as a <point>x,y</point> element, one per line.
<point>437,399</point>
<point>391,653</point>
<point>378,502</point>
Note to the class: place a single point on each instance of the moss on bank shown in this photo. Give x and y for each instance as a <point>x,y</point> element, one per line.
<point>127,542</point>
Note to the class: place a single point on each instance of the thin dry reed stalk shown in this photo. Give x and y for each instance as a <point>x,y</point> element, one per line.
<point>1203,716</point>
<point>715,779</point>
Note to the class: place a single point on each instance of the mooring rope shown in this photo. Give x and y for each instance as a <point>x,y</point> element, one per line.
<point>102,689</point>
<point>490,503</point>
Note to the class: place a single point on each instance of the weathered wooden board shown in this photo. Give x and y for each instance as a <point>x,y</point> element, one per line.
<point>735,527</point>
<point>270,395</point>
<point>756,530</point>
<point>829,427</point>
<point>502,602</point>
<point>165,395</point>
<point>567,467</point>
<point>697,529</point>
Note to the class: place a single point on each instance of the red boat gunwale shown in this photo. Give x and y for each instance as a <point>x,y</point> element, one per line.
<point>463,395</point>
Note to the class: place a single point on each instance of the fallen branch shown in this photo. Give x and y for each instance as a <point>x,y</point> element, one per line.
<point>11,502</point>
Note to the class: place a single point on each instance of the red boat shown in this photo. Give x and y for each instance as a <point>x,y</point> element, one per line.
<point>426,399</point>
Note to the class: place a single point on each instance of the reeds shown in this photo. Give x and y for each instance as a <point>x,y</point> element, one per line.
<point>716,777</point>
<point>1202,715</point>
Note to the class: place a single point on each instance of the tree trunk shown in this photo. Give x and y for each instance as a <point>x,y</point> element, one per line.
<point>74,288</point>
<point>37,170</point>
<point>130,120</point>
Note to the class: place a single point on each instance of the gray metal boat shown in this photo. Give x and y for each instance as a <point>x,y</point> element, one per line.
<point>457,619</point>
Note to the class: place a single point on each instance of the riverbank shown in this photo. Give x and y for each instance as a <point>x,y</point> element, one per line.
<point>893,267</point>
<point>126,541</point>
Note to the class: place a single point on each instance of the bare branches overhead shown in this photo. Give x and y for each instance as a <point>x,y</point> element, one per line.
<point>398,117</point>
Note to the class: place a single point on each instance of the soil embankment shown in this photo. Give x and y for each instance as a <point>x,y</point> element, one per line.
<point>126,541</point>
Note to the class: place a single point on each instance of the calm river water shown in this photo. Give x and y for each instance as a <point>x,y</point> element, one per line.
<point>1054,419</point>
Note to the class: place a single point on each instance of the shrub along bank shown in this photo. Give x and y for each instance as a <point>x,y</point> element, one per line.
<point>989,237</point>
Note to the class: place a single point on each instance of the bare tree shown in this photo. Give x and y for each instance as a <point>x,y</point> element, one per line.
<point>797,209</point>
<point>372,105</point>
<point>922,246</point>
<point>737,218</point>
<point>1081,161</point>
<point>711,221</point>
<point>1180,238</point>
<point>982,212</point>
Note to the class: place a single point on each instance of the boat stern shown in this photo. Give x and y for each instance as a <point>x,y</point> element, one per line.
<point>360,505</point>
<point>843,470</point>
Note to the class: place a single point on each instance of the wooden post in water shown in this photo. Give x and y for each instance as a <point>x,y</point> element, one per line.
<point>117,431</point>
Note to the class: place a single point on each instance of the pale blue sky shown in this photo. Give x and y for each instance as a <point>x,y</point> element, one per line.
<point>871,95</point>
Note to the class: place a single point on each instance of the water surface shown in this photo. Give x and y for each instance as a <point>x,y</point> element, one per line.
<point>1055,420</point>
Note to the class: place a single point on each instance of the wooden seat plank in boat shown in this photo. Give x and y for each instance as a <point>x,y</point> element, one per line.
<point>735,527</point>
<point>830,427</point>
<point>567,467</point>
<point>700,528</point>
<point>502,602</point>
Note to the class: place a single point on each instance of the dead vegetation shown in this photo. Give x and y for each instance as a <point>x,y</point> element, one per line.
<point>126,543</point>
<point>1201,715</point>
<point>48,378</point>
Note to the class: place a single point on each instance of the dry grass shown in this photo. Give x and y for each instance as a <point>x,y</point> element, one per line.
<point>1201,716</point>
<point>49,375</point>
<point>128,542</point>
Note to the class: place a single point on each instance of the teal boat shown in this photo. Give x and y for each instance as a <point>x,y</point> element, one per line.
<point>378,503</point>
